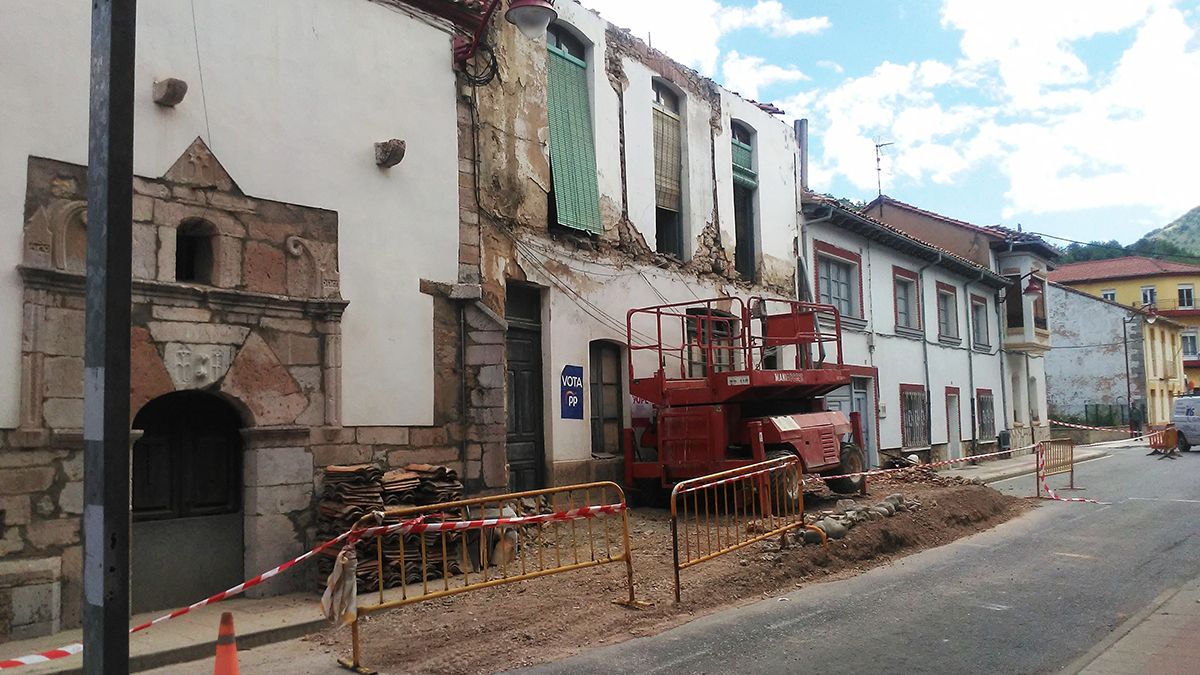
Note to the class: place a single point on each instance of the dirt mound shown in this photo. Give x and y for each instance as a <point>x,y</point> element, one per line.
<point>555,616</point>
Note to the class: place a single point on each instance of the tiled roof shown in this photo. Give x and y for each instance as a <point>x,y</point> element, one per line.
<point>961,262</point>
<point>1119,268</point>
<point>998,233</point>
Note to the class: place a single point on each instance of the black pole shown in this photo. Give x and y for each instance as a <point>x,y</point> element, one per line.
<point>106,352</point>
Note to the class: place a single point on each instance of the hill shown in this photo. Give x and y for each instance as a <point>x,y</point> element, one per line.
<point>1184,231</point>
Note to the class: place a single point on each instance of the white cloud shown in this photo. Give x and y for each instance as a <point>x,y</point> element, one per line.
<point>831,65</point>
<point>770,16</point>
<point>689,30</point>
<point>1068,137</point>
<point>746,74</point>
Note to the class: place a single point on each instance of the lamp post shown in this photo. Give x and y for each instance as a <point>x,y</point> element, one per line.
<point>532,17</point>
<point>1150,317</point>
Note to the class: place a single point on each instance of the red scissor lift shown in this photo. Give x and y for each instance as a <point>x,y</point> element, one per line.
<point>733,382</point>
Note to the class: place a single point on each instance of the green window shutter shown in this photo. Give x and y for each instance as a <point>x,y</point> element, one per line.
<point>572,150</point>
<point>668,160</point>
<point>743,165</point>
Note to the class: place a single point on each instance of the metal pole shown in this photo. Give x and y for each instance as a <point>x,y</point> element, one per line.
<point>1128,382</point>
<point>106,352</point>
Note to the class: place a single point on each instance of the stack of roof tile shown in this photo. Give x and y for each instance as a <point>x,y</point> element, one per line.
<point>349,493</point>
<point>421,485</point>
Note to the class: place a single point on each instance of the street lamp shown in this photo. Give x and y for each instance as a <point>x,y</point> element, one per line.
<point>531,17</point>
<point>1149,317</point>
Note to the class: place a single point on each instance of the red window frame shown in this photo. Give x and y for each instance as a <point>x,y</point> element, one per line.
<point>979,300</point>
<point>945,288</point>
<point>830,251</point>
<point>908,275</point>
<point>905,441</point>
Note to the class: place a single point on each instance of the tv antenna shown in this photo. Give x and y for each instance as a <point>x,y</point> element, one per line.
<point>879,166</point>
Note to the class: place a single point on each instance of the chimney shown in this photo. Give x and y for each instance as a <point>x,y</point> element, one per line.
<point>802,139</point>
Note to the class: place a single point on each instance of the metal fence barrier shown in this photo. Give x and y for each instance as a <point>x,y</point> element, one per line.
<point>1054,456</point>
<point>470,544</point>
<point>726,511</point>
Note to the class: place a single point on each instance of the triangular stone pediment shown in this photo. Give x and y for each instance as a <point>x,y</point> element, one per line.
<point>198,167</point>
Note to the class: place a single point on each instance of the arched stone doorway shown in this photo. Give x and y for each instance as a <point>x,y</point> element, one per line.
<point>187,500</point>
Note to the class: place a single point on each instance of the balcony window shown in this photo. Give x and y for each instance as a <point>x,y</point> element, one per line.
<point>947,312</point>
<point>835,283</point>
<point>1149,295</point>
<point>1189,346</point>
<point>1185,297</point>
<point>1014,302</point>
<point>908,304</point>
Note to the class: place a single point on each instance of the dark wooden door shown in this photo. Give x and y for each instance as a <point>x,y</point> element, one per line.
<point>526,441</point>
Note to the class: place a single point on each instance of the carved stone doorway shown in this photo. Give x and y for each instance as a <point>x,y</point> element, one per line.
<point>187,500</point>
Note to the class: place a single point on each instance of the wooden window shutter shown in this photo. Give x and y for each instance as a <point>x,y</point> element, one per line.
<point>668,160</point>
<point>572,150</point>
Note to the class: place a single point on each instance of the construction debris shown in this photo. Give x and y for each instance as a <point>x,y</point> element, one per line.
<point>929,476</point>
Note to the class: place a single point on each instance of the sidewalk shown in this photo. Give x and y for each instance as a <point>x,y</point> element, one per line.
<point>188,637</point>
<point>1158,641</point>
<point>1000,469</point>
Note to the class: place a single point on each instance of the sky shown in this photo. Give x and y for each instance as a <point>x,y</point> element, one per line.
<point>1075,118</point>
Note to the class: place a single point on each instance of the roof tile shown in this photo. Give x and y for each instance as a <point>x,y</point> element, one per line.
<point>1119,268</point>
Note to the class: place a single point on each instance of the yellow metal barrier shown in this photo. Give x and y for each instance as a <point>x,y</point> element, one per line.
<point>538,533</point>
<point>1055,456</point>
<point>726,511</point>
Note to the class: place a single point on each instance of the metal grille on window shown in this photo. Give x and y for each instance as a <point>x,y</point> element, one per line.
<point>572,149</point>
<point>987,417</point>
<point>915,419</point>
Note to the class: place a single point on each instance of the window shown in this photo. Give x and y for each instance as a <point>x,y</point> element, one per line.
<point>979,321</point>
<point>1189,345</point>
<point>908,305</point>
<point>1039,308</point>
<point>668,171</point>
<point>914,416</point>
<point>947,310</point>
<point>574,195</point>
<point>710,340</point>
<point>607,418</point>
<point>194,252</point>
<point>835,284</point>
<point>986,405</point>
<point>1014,302</point>
<point>1109,294</point>
<point>745,185</point>
<point>1185,297</point>
<point>1149,295</point>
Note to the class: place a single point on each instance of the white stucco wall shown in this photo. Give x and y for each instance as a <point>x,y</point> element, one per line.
<point>900,359</point>
<point>297,92</point>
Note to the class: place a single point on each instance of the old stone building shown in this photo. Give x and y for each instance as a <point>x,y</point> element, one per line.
<point>298,294</point>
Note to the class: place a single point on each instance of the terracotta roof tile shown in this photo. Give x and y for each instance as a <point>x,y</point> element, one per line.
<point>1119,268</point>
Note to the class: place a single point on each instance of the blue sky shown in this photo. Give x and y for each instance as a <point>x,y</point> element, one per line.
<point>1076,118</point>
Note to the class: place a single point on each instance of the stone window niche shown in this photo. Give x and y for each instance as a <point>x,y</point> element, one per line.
<point>194,252</point>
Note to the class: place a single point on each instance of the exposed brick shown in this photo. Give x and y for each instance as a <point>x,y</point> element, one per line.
<point>193,314</point>
<point>53,533</point>
<point>63,377</point>
<point>485,355</point>
<point>14,511</point>
<point>148,375</point>
<point>383,435</point>
<point>469,217</point>
<point>439,455</point>
<point>324,455</point>
<point>264,268</point>
<point>468,234</point>
<point>487,398</point>
<point>427,436</point>
<point>202,333</point>
<point>488,415</point>
<point>63,413</point>
<point>264,385</point>
<point>331,435</point>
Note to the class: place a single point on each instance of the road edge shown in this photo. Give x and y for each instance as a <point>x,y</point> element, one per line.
<point>1126,627</point>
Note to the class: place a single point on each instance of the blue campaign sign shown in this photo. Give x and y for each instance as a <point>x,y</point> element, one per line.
<point>572,392</point>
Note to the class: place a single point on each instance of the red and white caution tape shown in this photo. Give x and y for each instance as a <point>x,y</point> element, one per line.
<point>931,465</point>
<point>417,525</point>
<point>1059,423</point>
<point>732,479</point>
<point>77,648</point>
<point>1050,494</point>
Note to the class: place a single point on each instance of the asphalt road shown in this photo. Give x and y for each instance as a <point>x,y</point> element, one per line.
<point>1029,596</point>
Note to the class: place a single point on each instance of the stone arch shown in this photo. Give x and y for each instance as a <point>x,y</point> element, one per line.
<point>187,498</point>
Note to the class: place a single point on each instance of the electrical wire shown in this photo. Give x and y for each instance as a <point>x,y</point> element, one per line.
<point>1124,249</point>
<point>200,67</point>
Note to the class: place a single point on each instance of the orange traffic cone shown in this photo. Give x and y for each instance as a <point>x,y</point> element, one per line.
<point>226,648</point>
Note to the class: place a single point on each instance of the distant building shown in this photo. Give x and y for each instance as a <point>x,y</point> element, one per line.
<point>1168,287</point>
<point>1109,360</point>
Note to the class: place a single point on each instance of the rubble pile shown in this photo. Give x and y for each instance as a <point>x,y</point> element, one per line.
<point>847,513</point>
<point>929,476</point>
<point>350,492</point>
